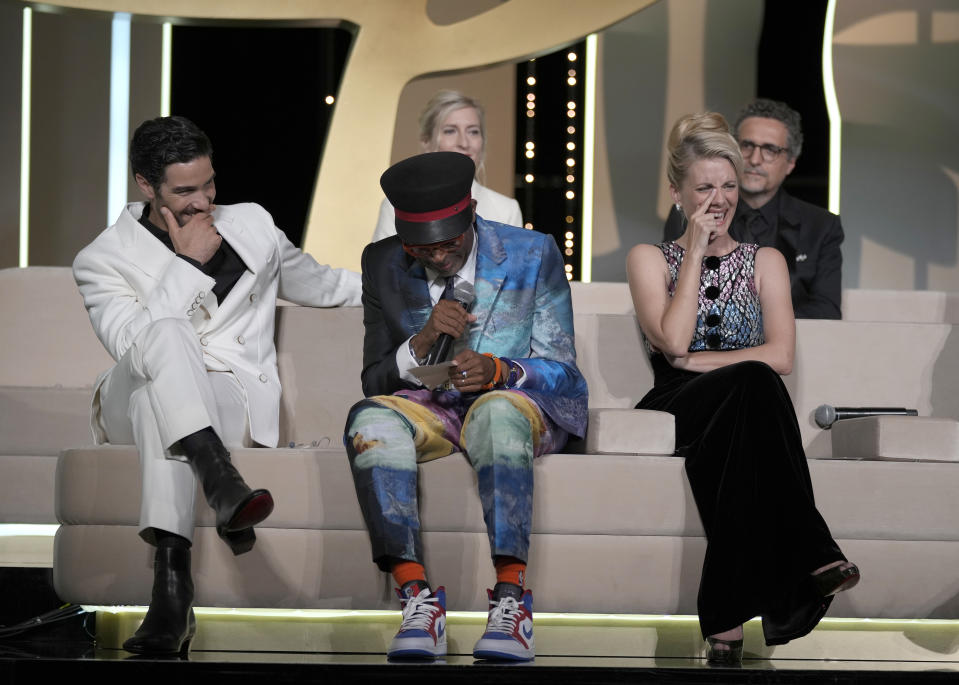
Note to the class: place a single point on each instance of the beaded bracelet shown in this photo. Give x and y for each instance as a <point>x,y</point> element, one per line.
<point>497,375</point>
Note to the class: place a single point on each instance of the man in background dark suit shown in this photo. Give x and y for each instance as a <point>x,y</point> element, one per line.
<point>809,237</point>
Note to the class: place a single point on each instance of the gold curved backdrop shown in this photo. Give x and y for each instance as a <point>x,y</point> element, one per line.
<point>395,42</point>
<point>894,73</point>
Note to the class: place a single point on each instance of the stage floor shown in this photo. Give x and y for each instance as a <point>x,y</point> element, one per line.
<point>69,651</point>
<point>29,665</point>
<point>334,646</point>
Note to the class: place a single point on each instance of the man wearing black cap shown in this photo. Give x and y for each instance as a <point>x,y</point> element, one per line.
<point>512,392</point>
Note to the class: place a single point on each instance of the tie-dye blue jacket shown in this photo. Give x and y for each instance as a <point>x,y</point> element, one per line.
<point>523,312</point>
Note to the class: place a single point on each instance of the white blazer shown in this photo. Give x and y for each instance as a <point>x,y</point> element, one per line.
<point>128,279</point>
<point>490,205</point>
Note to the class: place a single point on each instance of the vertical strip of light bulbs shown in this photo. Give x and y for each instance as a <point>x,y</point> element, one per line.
<point>569,242</point>
<point>26,73</point>
<point>529,136</point>
<point>119,115</point>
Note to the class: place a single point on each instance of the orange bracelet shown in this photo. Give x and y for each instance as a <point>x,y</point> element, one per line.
<point>497,375</point>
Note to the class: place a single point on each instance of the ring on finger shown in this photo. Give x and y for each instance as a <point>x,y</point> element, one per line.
<point>463,374</point>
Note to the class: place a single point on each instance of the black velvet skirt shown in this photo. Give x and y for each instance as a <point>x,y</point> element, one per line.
<point>737,430</point>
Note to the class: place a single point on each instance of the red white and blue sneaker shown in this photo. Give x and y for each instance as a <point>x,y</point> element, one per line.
<point>509,629</point>
<point>423,631</point>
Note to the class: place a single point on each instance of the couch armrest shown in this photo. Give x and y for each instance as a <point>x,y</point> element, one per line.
<point>896,438</point>
<point>630,431</point>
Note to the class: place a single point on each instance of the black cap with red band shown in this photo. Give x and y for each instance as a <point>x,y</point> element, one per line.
<point>430,194</point>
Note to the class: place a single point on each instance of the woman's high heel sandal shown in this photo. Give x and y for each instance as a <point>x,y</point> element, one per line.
<point>836,579</point>
<point>731,655</point>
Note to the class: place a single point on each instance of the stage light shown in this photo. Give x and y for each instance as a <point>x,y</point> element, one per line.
<point>571,130</point>
<point>832,109</point>
<point>119,127</point>
<point>329,99</point>
<point>571,57</point>
<point>531,81</point>
<point>571,113</point>
<point>586,197</point>
<point>530,154</point>
<point>570,194</point>
<point>529,178</point>
<point>530,145</point>
<point>26,75</point>
<point>570,161</point>
<point>571,145</point>
<point>166,68</point>
<point>528,225</point>
<point>44,530</point>
<point>571,80</point>
<point>570,178</point>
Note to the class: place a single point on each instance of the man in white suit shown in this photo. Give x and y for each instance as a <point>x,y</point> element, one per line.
<point>182,293</point>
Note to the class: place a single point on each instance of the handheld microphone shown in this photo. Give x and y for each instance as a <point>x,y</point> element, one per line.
<point>463,294</point>
<point>827,415</point>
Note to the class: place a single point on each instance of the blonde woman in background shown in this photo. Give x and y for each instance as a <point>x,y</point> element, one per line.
<point>453,122</point>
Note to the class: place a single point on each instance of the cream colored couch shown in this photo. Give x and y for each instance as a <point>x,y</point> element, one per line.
<point>624,502</point>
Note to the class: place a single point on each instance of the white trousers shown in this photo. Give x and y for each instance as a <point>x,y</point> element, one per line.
<point>159,392</point>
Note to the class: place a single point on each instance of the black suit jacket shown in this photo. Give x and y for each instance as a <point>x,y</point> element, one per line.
<point>809,237</point>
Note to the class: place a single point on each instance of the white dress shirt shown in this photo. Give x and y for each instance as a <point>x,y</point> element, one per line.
<point>467,273</point>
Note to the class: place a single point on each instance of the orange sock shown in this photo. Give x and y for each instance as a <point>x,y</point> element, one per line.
<point>406,571</point>
<point>510,570</point>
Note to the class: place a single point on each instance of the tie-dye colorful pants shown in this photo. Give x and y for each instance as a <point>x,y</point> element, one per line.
<point>501,432</point>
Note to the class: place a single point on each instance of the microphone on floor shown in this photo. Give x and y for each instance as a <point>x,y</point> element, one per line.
<point>827,415</point>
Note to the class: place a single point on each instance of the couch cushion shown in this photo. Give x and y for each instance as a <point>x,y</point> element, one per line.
<point>319,357</point>
<point>107,565</point>
<point>46,337</point>
<point>896,438</point>
<point>44,420</point>
<point>610,355</point>
<point>630,431</point>
<point>857,364</point>
<point>27,488</point>
<point>575,494</point>
<point>915,306</point>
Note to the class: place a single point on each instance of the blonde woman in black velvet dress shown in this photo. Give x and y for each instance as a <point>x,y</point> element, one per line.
<point>718,325</point>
